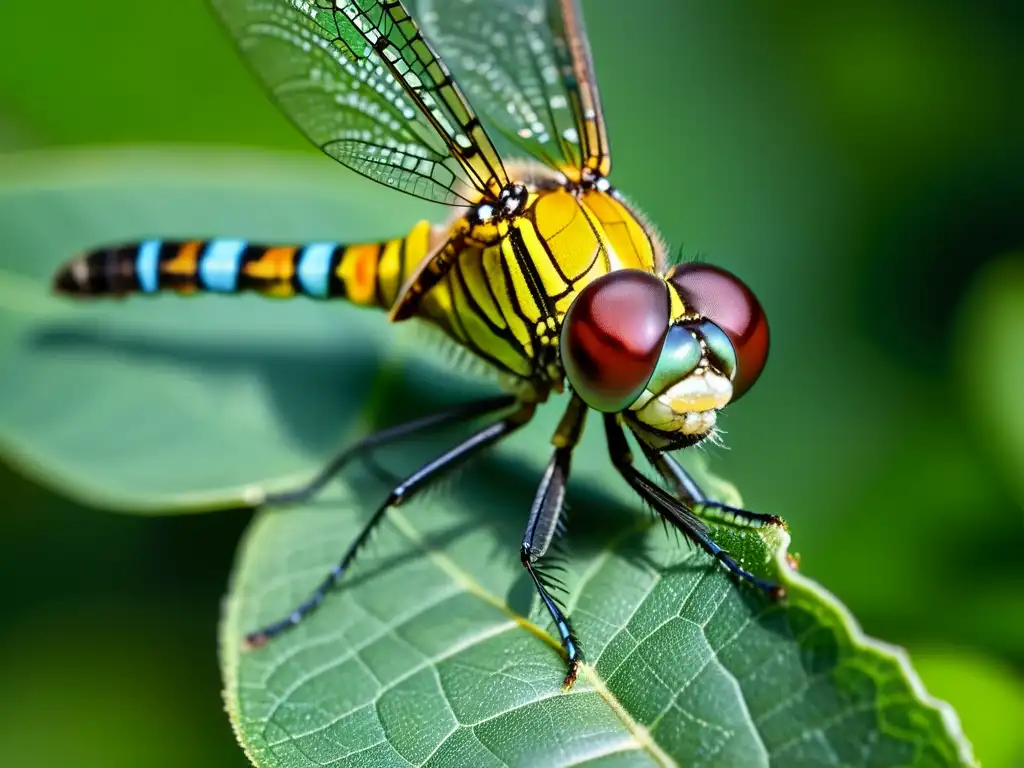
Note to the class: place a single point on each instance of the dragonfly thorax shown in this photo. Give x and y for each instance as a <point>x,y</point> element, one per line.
<point>515,275</point>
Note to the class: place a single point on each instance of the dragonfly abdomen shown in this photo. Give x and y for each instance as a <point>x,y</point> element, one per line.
<point>366,273</point>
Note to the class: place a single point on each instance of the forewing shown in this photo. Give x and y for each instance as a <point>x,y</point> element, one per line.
<point>362,83</point>
<point>526,66</point>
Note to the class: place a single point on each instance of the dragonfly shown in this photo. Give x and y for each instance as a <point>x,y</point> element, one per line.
<point>545,271</point>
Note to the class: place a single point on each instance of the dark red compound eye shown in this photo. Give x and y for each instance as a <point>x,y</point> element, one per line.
<point>725,300</point>
<point>612,336</point>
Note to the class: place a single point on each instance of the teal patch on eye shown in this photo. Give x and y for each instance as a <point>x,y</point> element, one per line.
<point>720,348</point>
<point>679,357</point>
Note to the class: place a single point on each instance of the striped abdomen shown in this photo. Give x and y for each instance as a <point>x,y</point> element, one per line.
<point>367,274</point>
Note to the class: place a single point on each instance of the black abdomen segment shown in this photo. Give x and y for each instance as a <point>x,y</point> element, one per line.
<point>108,272</point>
<point>219,265</point>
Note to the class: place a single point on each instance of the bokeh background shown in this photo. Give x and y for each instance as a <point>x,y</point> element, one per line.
<point>874,150</point>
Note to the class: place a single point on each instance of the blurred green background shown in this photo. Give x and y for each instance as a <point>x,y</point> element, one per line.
<point>875,149</point>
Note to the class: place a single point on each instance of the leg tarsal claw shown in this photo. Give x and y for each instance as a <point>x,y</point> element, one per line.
<point>570,676</point>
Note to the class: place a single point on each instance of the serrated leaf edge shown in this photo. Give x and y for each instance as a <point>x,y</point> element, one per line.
<point>776,540</point>
<point>796,582</point>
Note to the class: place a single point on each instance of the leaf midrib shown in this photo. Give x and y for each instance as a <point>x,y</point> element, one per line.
<point>638,732</point>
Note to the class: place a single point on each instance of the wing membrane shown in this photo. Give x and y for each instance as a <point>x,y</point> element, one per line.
<point>363,84</point>
<point>526,65</point>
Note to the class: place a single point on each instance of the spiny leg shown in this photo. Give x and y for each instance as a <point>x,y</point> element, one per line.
<point>687,491</point>
<point>672,510</point>
<point>378,439</point>
<point>401,493</point>
<point>545,515</point>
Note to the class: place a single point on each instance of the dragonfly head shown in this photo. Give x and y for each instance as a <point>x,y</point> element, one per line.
<point>666,352</point>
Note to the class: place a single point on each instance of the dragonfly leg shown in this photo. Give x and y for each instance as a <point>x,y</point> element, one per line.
<point>672,510</point>
<point>687,491</point>
<point>385,436</point>
<point>402,492</point>
<point>545,522</point>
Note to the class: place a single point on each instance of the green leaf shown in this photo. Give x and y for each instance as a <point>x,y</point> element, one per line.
<point>151,404</point>
<point>435,650</point>
<point>434,653</point>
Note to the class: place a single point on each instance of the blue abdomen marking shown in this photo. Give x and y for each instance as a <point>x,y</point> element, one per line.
<point>314,268</point>
<point>219,265</point>
<point>147,266</point>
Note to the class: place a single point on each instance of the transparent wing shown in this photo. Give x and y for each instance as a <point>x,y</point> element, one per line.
<point>360,81</point>
<point>526,66</point>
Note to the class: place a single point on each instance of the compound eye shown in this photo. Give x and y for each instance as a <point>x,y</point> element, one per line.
<point>612,336</point>
<point>726,301</point>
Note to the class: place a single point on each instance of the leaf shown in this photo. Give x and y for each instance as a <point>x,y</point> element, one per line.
<point>150,404</point>
<point>435,650</point>
<point>434,653</point>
